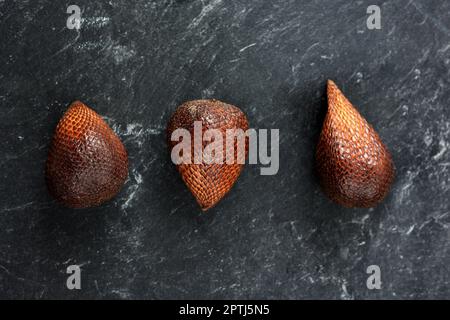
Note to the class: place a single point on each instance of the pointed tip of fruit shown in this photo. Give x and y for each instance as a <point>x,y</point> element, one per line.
<point>77,103</point>
<point>337,100</point>
<point>330,83</point>
<point>332,88</point>
<point>206,206</point>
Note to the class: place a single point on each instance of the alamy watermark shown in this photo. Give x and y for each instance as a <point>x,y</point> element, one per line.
<point>74,280</point>
<point>74,20</point>
<point>212,146</point>
<point>374,19</point>
<point>374,280</point>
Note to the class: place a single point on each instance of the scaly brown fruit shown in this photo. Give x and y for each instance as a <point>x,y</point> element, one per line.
<point>87,163</point>
<point>209,182</point>
<point>354,167</point>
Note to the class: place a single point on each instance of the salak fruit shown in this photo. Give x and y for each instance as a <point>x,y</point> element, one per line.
<point>209,182</point>
<point>87,163</point>
<point>355,168</point>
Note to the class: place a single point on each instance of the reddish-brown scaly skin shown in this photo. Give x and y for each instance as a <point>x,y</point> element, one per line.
<point>87,163</point>
<point>354,167</point>
<point>209,182</point>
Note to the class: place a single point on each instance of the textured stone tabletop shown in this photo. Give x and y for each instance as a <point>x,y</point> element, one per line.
<point>271,237</point>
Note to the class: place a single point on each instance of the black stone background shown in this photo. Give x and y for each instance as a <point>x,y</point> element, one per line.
<point>272,237</point>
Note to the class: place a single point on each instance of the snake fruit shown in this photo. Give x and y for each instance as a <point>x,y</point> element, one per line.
<point>209,182</point>
<point>354,167</point>
<point>87,163</point>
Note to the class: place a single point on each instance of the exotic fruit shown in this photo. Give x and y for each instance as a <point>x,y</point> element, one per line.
<point>208,180</point>
<point>354,167</point>
<point>87,163</point>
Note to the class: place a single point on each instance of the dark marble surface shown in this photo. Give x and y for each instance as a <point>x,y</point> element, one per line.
<point>272,236</point>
